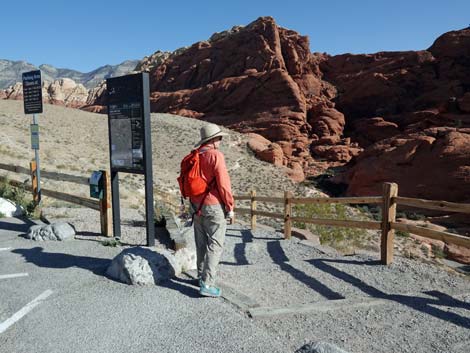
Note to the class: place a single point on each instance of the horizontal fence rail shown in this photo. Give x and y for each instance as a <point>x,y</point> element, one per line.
<point>388,202</point>
<point>433,205</point>
<point>433,234</point>
<point>103,205</point>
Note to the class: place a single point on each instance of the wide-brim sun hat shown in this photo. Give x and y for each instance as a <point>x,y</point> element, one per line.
<point>209,132</point>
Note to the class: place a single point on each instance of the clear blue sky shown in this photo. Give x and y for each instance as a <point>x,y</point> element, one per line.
<point>86,34</point>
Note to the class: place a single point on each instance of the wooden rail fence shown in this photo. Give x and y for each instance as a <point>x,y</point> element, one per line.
<point>388,202</point>
<point>103,205</point>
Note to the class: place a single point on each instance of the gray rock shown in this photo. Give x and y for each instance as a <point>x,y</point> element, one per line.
<point>144,266</point>
<point>55,231</point>
<point>319,347</point>
<point>63,230</point>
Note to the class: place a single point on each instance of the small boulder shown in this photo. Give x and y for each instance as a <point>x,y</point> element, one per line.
<point>144,266</point>
<point>457,253</point>
<point>55,231</point>
<point>319,347</point>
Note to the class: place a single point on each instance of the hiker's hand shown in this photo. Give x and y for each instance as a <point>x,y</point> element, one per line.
<point>230,217</point>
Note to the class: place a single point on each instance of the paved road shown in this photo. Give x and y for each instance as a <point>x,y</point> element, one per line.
<point>65,303</point>
<point>87,312</point>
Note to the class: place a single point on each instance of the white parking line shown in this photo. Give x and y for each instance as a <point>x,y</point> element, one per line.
<point>5,249</point>
<point>26,309</point>
<point>13,275</point>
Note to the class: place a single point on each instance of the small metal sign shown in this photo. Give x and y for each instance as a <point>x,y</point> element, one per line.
<point>32,92</point>
<point>34,136</point>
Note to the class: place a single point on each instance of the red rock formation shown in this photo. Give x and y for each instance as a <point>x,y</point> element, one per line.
<point>261,79</point>
<point>393,116</point>
<point>432,164</point>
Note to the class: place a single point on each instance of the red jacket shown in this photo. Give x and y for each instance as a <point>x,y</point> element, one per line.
<point>213,168</point>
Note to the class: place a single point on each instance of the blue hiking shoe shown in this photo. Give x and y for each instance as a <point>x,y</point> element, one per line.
<point>209,291</point>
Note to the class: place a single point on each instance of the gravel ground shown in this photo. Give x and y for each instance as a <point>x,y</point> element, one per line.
<point>425,308</point>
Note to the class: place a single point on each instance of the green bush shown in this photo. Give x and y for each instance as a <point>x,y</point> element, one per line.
<point>18,196</point>
<point>402,234</point>
<point>337,237</point>
<point>438,252</point>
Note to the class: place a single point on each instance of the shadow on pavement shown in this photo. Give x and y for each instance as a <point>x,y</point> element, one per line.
<point>424,305</point>
<point>40,258</point>
<point>279,257</point>
<point>16,224</point>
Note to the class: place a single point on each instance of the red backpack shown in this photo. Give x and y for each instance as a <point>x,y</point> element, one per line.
<point>190,180</point>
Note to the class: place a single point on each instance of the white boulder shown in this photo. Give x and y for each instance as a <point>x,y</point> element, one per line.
<point>10,209</point>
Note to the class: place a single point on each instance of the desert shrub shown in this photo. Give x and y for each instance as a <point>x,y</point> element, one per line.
<point>18,196</point>
<point>438,252</point>
<point>402,234</point>
<point>111,242</point>
<point>415,216</point>
<point>337,237</point>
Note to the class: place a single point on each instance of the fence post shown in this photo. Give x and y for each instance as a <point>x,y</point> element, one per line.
<point>287,214</point>
<point>34,180</point>
<point>389,210</point>
<point>105,207</point>
<point>253,208</point>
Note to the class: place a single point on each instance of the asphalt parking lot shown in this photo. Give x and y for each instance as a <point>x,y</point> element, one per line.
<point>63,302</point>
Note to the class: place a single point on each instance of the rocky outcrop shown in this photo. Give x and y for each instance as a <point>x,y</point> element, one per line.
<point>431,164</point>
<point>60,92</point>
<point>152,61</point>
<point>372,113</point>
<point>410,111</point>
<point>11,71</point>
<point>256,79</point>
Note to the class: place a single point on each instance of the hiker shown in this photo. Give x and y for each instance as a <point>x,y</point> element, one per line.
<point>211,208</point>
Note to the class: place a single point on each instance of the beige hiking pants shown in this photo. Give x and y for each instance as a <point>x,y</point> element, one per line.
<point>209,231</point>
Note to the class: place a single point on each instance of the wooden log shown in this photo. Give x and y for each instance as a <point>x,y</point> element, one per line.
<point>433,205</point>
<point>347,200</point>
<point>389,211</point>
<point>339,222</point>
<point>446,237</point>
<point>287,215</point>
<point>105,207</point>
<point>253,208</point>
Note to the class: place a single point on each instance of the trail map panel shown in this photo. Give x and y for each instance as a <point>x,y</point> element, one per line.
<point>32,92</point>
<point>126,123</point>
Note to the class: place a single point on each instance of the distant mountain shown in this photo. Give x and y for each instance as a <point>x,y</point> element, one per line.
<point>10,72</point>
